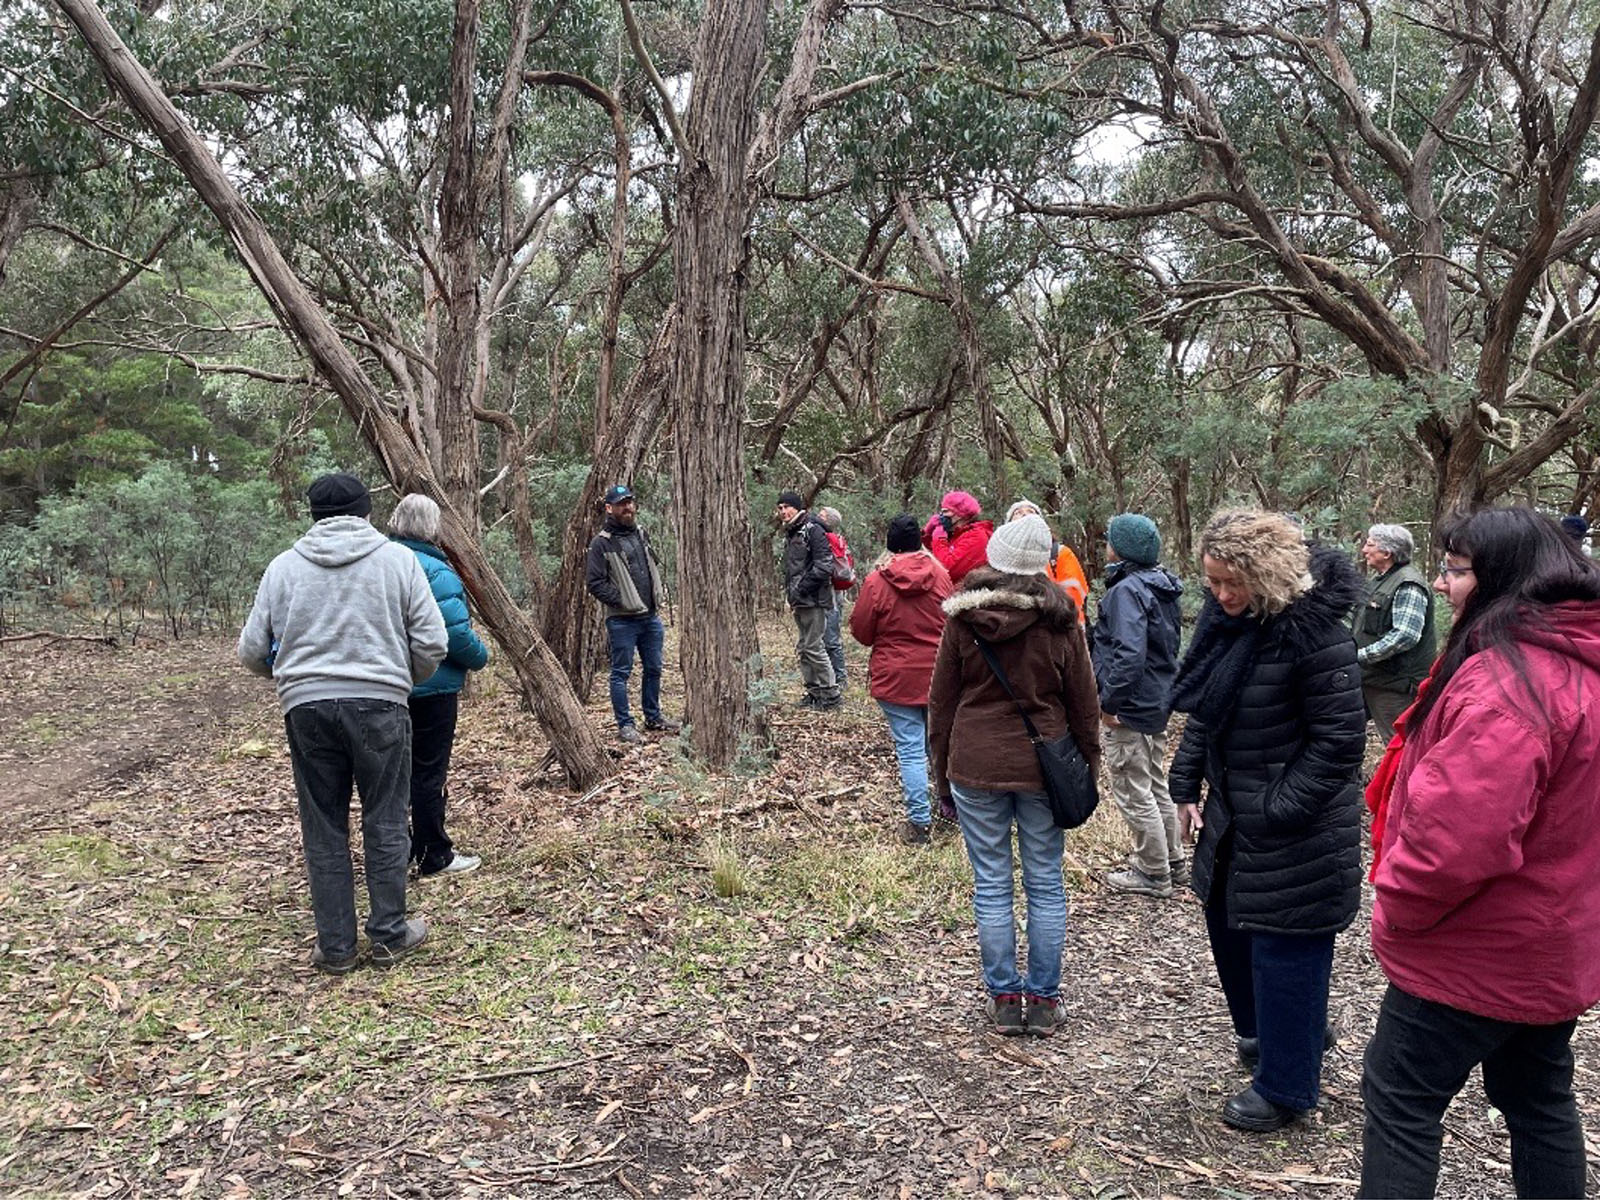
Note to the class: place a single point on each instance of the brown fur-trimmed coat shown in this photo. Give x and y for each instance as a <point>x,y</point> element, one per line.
<point>978,739</point>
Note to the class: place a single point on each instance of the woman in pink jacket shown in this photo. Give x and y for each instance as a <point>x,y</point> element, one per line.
<point>1487,910</point>
<point>899,615</point>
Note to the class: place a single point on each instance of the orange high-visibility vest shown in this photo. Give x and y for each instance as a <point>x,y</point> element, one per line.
<point>1068,572</point>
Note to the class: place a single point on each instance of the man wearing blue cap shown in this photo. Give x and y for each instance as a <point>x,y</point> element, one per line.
<point>623,575</point>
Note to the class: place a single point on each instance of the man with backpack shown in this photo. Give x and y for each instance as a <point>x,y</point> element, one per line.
<point>621,572</point>
<point>808,587</point>
<point>844,579</point>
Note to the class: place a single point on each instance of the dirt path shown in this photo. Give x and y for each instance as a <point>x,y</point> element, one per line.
<point>79,715</point>
<point>677,985</point>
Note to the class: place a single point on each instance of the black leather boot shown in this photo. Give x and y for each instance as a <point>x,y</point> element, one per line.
<point>1249,1110</point>
<point>1250,1048</point>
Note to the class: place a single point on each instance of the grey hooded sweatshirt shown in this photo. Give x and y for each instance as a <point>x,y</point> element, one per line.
<point>344,613</point>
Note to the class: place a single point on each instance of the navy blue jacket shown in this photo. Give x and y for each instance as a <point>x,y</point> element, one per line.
<point>467,651</point>
<point>1135,645</point>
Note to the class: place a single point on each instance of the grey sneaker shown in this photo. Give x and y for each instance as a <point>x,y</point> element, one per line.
<point>1182,874</point>
<point>387,955</point>
<point>1131,879</point>
<point>1005,1013</point>
<point>630,735</point>
<point>914,835</point>
<point>1043,1015</point>
<point>334,967</point>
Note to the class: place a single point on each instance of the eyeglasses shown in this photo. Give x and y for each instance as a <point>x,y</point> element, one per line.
<point>1447,571</point>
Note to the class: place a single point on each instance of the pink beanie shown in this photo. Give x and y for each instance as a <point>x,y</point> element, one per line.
<point>962,504</point>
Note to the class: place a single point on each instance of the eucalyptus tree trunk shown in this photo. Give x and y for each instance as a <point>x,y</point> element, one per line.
<point>572,738</point>
<point>717,643</point>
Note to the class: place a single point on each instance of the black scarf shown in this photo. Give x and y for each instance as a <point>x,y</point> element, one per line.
<point>1220,656</point>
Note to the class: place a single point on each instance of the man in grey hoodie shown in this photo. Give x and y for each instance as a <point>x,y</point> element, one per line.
<point>345,623</point>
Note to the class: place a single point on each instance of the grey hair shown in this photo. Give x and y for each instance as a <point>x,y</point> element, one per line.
<point>415,517</point>
<point>1395,540</point>
<point>830,519</point>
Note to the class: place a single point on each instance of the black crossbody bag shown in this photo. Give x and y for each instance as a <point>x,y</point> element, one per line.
<point>1068,780</point>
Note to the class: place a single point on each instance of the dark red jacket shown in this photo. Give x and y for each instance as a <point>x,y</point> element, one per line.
<point>899,615</point>
<point>1487,892</point>
<point>968,549</point>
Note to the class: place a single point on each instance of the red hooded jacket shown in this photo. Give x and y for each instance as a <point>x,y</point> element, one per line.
<point>899,614</point>
<point>1487,891</point>
<point>968,549</point>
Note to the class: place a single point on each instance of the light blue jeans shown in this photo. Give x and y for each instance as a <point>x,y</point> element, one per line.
<point>986,822</point>
<point>908,726</point>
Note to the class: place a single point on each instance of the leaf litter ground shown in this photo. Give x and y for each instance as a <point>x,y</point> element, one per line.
<point>592,1015</point>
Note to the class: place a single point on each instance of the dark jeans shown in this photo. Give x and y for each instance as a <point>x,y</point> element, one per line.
<point>626,633</point>
<point>1418,1059</point>
<point>433,733</point>
<point>334,744</point>
<point>1277,991</point>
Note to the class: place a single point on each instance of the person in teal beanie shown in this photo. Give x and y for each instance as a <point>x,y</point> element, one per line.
<point>415,524</point>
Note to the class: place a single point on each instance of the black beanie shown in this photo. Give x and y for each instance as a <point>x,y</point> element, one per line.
<point>793,499</point>
<point>904,534</point>
<point>338,495</point>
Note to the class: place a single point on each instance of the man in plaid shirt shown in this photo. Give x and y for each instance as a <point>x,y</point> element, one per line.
<point>1394,628</point>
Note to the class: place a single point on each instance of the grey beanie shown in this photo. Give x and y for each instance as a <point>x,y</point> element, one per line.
<point>1135,537</point>
<point>1021,547</point>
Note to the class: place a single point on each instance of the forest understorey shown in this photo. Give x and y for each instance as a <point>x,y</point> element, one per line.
<point>675,984</point>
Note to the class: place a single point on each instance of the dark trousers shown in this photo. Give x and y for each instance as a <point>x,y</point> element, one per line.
<point>1277,991</point>
<point>334,744</point>
<point>1418,1059</point>
<point>626,634</point>
<point>433,733</point>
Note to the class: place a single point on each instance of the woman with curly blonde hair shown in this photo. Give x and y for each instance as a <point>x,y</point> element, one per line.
<point>1275,733</point>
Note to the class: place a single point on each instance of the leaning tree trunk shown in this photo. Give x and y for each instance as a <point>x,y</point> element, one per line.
<point>573,739</point>
<point>718,648</point>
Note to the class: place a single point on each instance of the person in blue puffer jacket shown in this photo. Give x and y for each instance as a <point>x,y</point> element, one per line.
<point>415,524</point>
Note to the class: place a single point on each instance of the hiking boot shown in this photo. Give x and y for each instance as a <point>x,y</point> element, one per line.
<point>1250,1048</point>
<point>827,703</point>
<point>1004,1011</point>
<point>914,835</point>
<point>1182,874</point>
<point>1249,1110</point>
<point>809,702</point>
<point>1044,1014</point>
<point>630,735</point>
<point>1131,879</point>
<point>662,725</point>
<point>459,865</point>
<point>387,955</point>
<point>334,967</point>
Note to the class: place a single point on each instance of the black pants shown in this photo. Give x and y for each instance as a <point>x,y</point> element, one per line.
<point>1418,1059</point>
<point>433,733</point>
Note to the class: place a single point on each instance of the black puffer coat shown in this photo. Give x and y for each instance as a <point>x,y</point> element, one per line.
<point>1283,768</point>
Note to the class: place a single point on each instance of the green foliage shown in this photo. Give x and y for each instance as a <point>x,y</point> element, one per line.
<point>188,547</point>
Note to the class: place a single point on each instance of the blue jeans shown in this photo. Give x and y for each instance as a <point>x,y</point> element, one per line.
<point>333,745</point>
<point>626,633</point>
<point>833,643</point>
<point>1277,991</point>
<point>908,726</point>
<point>986,822</point>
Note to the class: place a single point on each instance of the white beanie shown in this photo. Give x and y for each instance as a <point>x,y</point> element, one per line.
<point>1024,503</point>
<point>1021,547</point>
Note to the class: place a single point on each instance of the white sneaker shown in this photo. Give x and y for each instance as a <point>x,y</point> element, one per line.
<point>459,865</point>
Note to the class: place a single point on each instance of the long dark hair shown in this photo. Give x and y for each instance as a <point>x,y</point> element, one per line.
<point>1523,563</point>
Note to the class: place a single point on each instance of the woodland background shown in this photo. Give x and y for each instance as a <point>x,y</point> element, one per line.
<point>1330,257</point>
